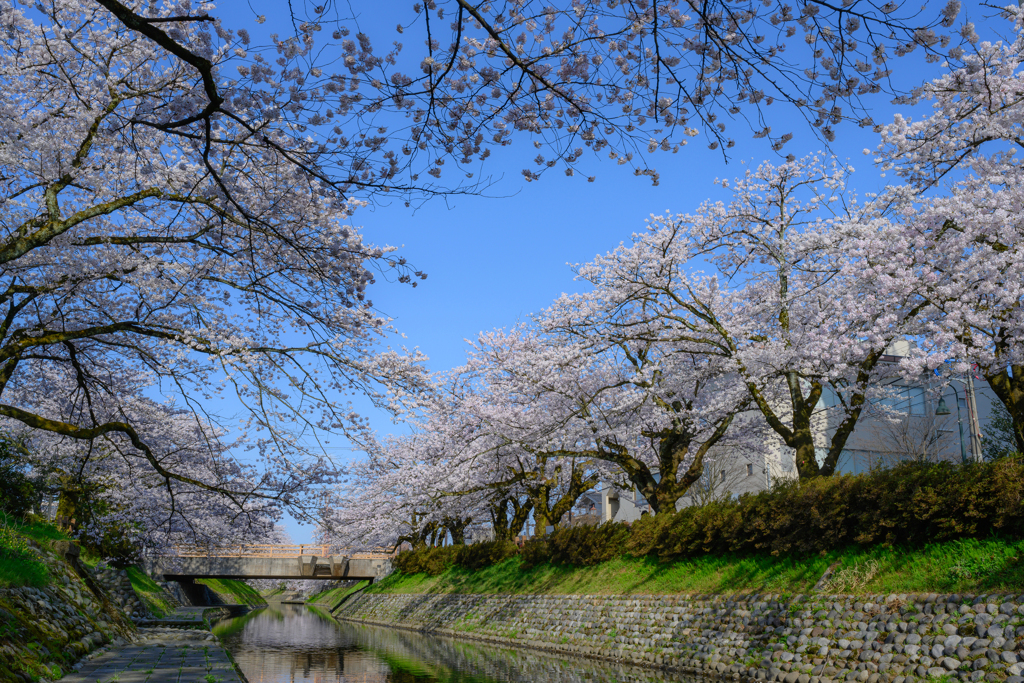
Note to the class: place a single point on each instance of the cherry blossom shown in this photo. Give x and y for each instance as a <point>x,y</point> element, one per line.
<point>157,238</point>
<point>777,314</point>
<point>956,239</point>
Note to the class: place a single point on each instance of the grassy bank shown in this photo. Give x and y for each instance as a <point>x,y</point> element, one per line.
<point>234,592</point>
<point>150,593</point>
<point>990,565</point>
<point>330,599</point>
<point>20,563</point>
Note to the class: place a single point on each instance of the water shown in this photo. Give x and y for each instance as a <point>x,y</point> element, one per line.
<point>288,643</point>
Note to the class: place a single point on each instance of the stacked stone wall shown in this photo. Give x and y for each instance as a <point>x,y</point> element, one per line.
<point>43,630</point>
<point>796,639</point>
<point>119,587</point>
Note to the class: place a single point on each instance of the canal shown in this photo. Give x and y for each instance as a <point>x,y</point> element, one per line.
<point>285,643</point>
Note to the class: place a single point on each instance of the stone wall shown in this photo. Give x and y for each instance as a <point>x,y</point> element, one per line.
<point>119,588</point>
<point>797,639</point>
<point>43,631</point>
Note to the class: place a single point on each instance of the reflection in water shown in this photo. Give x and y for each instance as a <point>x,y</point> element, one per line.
<point>294,643</point>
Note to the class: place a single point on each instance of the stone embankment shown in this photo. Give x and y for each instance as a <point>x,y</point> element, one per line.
<point>119,588</point>
<point>796,639</point>
<point>82,615</point>
<point>44,630</point>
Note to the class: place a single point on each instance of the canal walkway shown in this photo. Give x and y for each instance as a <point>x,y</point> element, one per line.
<point>179,650</point>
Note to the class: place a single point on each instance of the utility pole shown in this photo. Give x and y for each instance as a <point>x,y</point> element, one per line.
<point>972,418</point>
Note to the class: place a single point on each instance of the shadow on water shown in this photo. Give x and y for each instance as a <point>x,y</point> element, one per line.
<point>293,643</point>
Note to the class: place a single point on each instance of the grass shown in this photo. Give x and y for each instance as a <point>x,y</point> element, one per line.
<point>332,598</point>
<point>38,530</point>
<point>233,591</point>
<point>963,566</point>
<point>20,564</point>
<point>150,593</point>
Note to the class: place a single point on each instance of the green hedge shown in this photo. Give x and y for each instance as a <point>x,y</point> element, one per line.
<point>908,505</point>
<point>435,561</point>
<point>580,546</point>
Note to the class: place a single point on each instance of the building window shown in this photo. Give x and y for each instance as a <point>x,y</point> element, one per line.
<point>916,399</point>
<point>723,476</point>
<point>750,469</point>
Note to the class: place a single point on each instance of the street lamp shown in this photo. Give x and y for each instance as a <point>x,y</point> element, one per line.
<point>943,409</point>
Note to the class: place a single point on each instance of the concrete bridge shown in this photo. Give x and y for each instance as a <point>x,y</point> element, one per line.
<point>269,562</point>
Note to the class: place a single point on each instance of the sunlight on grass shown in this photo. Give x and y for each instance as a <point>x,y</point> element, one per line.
<point>964,566</point>
<point>149,592</point>
<point>20,564</point>
<point>234,591</point>
<point>330,599</point>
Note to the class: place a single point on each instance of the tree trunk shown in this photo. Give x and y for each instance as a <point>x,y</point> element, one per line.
<point>72,505</point>
<point>1008,386</point>
<point>456,526</point>
<point>802,443</point>
<point>539,498</point>
<point>506,526</point>
<point>674,446</point>
<point>499,520</point>
<point>801,436</point>
<point>547,514</point>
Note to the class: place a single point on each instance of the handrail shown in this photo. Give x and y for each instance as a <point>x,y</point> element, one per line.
<point>248,550</point>
<point>271,551</point>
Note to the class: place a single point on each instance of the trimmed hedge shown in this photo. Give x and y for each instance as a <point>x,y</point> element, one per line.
<point>911,504</point>
<point>434,561</point>
<point>428,560</point>
<point>482,555</point>
<point>580,546</point>
<point>908,505</point>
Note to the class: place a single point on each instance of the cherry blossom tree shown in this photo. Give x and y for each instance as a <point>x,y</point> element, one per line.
<point>108,489</point>
<point>478,454</point>
<point>622,79</point>
<point>958,243</point>
<point>164,227</point>
<point>649,412</point>
<point>778,310</point>
<point>177,199</point>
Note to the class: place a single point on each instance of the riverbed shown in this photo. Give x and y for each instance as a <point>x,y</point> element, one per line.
<point>287,643</point>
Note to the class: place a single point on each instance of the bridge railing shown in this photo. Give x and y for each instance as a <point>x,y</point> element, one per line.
<point>274,551</point>
<point>248,551</point>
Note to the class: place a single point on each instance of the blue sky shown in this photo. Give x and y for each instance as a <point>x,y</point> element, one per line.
<point>493,260</point>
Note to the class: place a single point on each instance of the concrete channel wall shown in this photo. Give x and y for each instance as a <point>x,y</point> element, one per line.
<point>797,639</point>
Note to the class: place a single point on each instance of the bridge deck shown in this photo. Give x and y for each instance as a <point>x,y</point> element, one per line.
<point>268,566</point>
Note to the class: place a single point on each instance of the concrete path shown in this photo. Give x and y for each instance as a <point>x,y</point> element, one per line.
<point>161,655</point>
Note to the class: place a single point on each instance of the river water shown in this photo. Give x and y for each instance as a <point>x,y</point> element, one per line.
<point>286,643</point>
